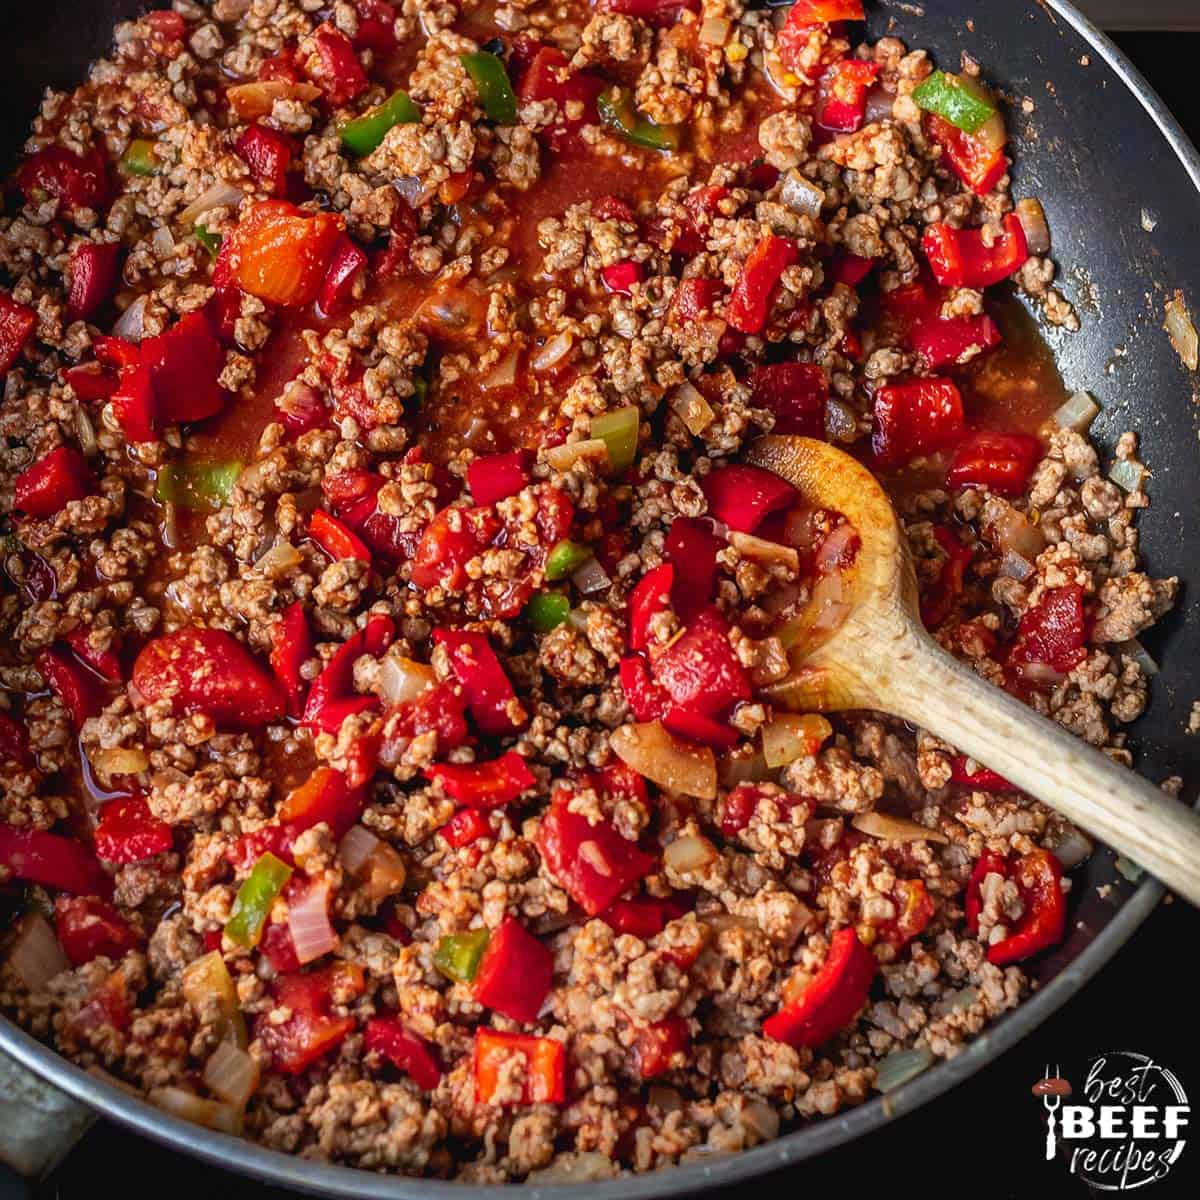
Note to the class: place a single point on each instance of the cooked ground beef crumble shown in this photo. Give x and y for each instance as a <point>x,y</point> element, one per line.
<point>390,623</point>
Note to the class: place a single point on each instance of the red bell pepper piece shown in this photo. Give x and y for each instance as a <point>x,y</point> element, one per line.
<point>981,777</point>
<point>843,106</point>
<point>167,24</point>
<point>642,916</point>
<point>335,684</point>
<point>750,300</point>
<point>334,67</point>
<point>488,690</point>
<point>46,487</point>
<point>831,1000</point>
<point>279,254</point>
<point>544,1076</point>
<point>917,417</point>
<point>1054,631</point>
<point>700,671</point>
<point>454,536</point>
<point>133,404</point>
<point>291,647</point>
<point>796,393</point>
<point>53,861</point>
<point>185,363</point>
<point>697,727</point>
<point>495,477</point>
<point>941,598</point>
<point>438,710</point>
<point>127,831</point>
<point>647,700</point>
<point>335,539</point>
<point>850,269</point>
<point>347,266</point>
<point>978,165</point>
<point>484,785</point>
<point>692,549</point>
<point>376,27</point>
<point>313,1029</point>
<point>90,382</point>
<point>74,180</point>
<point>324,797</point>
<point>404,1050</point>
<point>962,258</point>
<point>620,277</point>
<point>738,809</point>
<point>944,342</point>
<point>651,596</point>
<point>267,153</point>
<point>1038,876</point>
<point>742,496</point>
<point>549,77</point>
<point>695,297</point>
<point>826,12</point>
<point>88,928</point>
<point>593,864</point>
<point>79,690</point>
<point>14,741</point>
<point>1000,462</point>
<point>93,278</point>
<point>661,1047</point>
<point>103,662</point>
<point>466,826</point>
<point>210,671</point>
<point>515,973</point>
<point>988,863</point>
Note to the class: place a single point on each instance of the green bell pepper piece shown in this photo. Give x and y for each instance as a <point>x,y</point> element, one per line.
<point>491,81</point>
<point>547,611</point>
<point>364,133</point>
<point>197,485</point>
<point>618,113</point>
<point>959,99</point>
<point>254,900</point>
<point>210,241</point>
<point>139,158</point>
<point>457,955</point>
<point>619,432</point>
<point>566,558</point>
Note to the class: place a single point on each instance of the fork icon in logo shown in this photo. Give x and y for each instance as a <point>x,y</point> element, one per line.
<point>1051,1088</point>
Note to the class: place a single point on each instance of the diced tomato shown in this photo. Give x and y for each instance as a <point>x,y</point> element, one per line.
<point>964,258</point>
<point>109,1004</point>
<point>620,277</point>
<point>281,255</point>
<point>977,164</point>
<point>495,477</point>
<point>699,670</point>
<point>651,596</point>
<point>439,710</point>
<point>549,77</point>
<point>347,265</point>
<point>543,1080</point>
<point>750,300</point>
<point>185,364</point>
<point>466,826</point>
<point>742,496</point>
<point>914,910</point>
<point>980,777</point>
<point>593,864</point>
<point>74,180</point>
<point>327,705</point>
<point>850,269</point>
<point>1000,462</point>
<point>647,700</point>
<point>169,25</point>
<point>128,831</point>
<point>291,647</point>
<point>81,692</point>
<point>133,404</point>
<point>14,741</point>
<point>1053,631</point>
<point>832,998</point>
<point>738,809</point>
<point>404,1050</point>
<point>93,278</point>
<point>46,487</point>
<point>335,539</point>
<point>277,945</point>
<point>88,928</point>
<point>844,87</point>
<point>275,839</point>
<point>267,153</point>
<point>692,549</point>
<point>944,342</point>
<point>796,393</point>
<point>642,916</point>
<point>697,727</point>
<point>695,297</point>
<point>515,973</point>
<point>313,1029</point>
<point>53,861</point>
<point>334,67</point>
<point>662,1046</point>
<point>454,536</point>
<point>941,597</point>
<point>916,417</point>
<point>209,671</point>
<point>324,797</point>
<point>484,785</point>
<point>90,382</point>
<point>826,12</point>
<point>103,662</point>
<point>488,690</point>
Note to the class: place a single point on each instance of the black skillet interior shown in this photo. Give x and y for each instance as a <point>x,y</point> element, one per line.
<point>1123,211</point>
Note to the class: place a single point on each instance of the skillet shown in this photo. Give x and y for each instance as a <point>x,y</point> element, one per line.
<point>1121,187</point>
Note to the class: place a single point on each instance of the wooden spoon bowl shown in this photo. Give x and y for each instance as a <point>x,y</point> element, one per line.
<point>880,657</point>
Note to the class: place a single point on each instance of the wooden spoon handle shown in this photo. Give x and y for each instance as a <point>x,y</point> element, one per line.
<point>1118,806</point>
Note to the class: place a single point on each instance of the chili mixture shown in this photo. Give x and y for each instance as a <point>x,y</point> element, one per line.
<point>390,773</point>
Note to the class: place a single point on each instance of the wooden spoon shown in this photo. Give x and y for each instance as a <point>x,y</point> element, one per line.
<point>881,658</point>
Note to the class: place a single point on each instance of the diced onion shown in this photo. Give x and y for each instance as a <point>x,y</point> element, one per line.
<point>692,409</point>
<point>130,324</point>
<point>1033,221</point>
<point>744,765</point>
<point>85,431</point>
<point>1012,531</point>
<point>955,1001</point>
<point>841,425</point>
<point>1135,650</point>
<point>257,99</point>
<point>836,548</point>
<point>801,195</point>
<point>584,1166</point>
<point>1016,566</point>
<point>891,828</point>
<point>992,134</point>
<point>278,560</point>
<point>553,352</point>
<point>564,457</point>
<point>1184,338</point>
<point>762,551</point>
<point>504,373</point>
<point>880,103</point>
<point>231,1074</point>
<point>1077,413</point>
<point>902,1065</point>
<point>1071,847</point>
<point>791,736</point>
<point>402,680</point>
<point>665,1099</point>
<point>760,1119</point>
<point>308,922</point>
<point>689,853</point>
<point>1041,673</point>
<point>35,955</point>
<point>212,1114</point>
<point>356,847</point>
<point>1128,474</point>
<point>162,241</point>
<point>714,31</point>
<point>1127,868</point>
<point>384,874</point>
<point>217,195</point>
<point>591,577</point>
<point>118,760</point>
<point>672,764</point>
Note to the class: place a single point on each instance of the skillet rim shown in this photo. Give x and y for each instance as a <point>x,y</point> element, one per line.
<point>286,1170</point>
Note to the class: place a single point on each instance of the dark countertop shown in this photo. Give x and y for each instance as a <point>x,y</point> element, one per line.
<point>985,1138</point>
